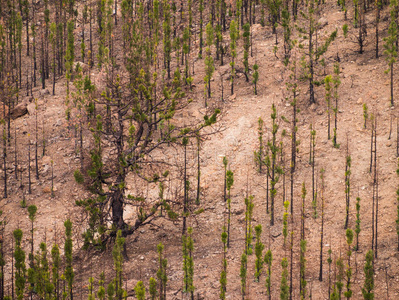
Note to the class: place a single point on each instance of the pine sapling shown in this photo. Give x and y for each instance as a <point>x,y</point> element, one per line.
<point>223,274</point>
<point>140,290</point>
<point>365,115</point>
<point>255,76</point>
<point>329,261</point>
<point>153,288</point>
<point>349,241</point>
<point>243,275</point>
<point>229,184</point>
<point>336,82</point>
<point>285,221</point>
<point>284,288</point>
<point>20,268</point>
<point>340,275</point>
<point>368,287</point>
<point>258,252</point>
<point>357,229</point>
<point>188,263</point>
<point>209,66</point>
<point>328,87</point>
<point>268,261</point>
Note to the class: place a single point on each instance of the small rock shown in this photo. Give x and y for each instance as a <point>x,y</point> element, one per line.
<point>323,22</point>
<point>58,123</point>
<point>232,97</point>
<point>313,107</point>
<point>389,144</point>
<point>25,123</point>
<point>47,190</point>
<point>359,101</point>
<point>44,92</point>
<point>239,211</point>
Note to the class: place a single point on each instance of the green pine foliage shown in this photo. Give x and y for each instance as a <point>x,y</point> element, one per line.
<point>285,221</point>
<point>255,76</point>
<point>233,45</point>
<point>223,274</point>
<point>209,66</point>
<point>284,288</point>
<point>140,290</point>
<point>161,273</point>
<point>118,264</point>
<point>188,262</point>
<point>249,208</point>
<point>258,252</point>
<point>20,268</point>
<point>247,44</point>
<point>340,276</point>
<point>243,275</point>
<point>153,288</point>
<point>68,273</point>
<point>368,287</point>
<point>55,267</point>
<point>347,187</point>
<point>328,87</point>
<point>302,263</point>
<point>229,184</point>
<point>349,240</point>
<point>260,153</point>
<point>358,221</point>
<point>101,289</point>
<point>336,83</point>
<point>268,261</point>
<point>391,44</point>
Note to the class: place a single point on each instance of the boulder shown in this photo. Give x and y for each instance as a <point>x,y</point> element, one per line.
<point>31,108</point>
<point>19,110</point>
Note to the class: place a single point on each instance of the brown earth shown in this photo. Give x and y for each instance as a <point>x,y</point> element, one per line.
<point>363,81</point>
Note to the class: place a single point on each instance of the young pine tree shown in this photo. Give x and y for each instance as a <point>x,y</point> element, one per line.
<point>188,263</point>
<point>340,276</point>
<point>249,207</point>
<point>258,252</point>
<point>259,154</point>
<point>140,290</point>
<point>336,83</point>
<point>243,275</point>
<point>347,186</point>
<point>153,288</point>
<point>223,274</point>
<point>368,287</point>
<point>118,264</point>
<point>20,268</point>
<point>327,85</point>
<point>284,288</point>
<point>357,229</point>
<point>268,261</point>
<point>161,273</point>
<point>247,44</point>
<point>349,241</point>
<point>68,273</point>
<point>229,184</point>
<point>233,44</point>
<point>390,44</point>
<point>209,67</point>
<point>255,80</point>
